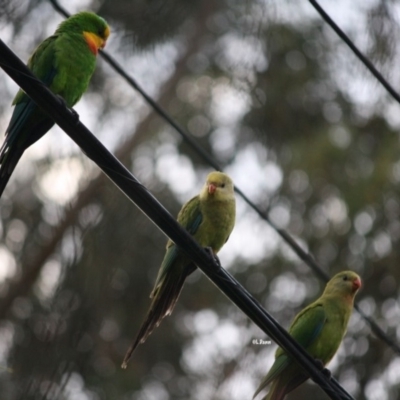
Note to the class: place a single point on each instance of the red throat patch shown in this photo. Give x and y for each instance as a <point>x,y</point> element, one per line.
<point>92,47</point>
<point>94,42</point>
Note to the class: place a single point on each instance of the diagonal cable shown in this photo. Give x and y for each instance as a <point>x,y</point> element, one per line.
<point>306,257</point>
<point>356,51</point>
<point>155,211</point>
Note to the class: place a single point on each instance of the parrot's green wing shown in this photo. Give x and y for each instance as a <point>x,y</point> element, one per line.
<point>190,217</point>
<point>305,329</point>
<point>308,324</point>
<point>42,65</point>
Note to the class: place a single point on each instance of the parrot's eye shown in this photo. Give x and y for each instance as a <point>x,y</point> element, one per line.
<point>223,185</point>
<point>345,278</point>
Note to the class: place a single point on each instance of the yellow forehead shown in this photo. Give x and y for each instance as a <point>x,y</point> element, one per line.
<point>217,176</point>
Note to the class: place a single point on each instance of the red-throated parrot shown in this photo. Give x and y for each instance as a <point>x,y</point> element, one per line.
<point>319,328</point>
<point>64,62</point>
<point>210,218</point>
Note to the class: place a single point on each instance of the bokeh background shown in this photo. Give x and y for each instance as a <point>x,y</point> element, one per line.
<point>303,129</point>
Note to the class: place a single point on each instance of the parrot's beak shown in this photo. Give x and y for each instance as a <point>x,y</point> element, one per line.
<point>356,284</point>
<point>212,188</point>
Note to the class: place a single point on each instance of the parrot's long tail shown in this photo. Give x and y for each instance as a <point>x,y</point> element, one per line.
<point>281,386</point>
<point>276,392</point>
<point>9,157</point>
<point>163,303</point>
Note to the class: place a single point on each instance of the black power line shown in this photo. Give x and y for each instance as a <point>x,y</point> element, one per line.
<point>306,257</point>
<point>356,51</point>
<point>156,212</point>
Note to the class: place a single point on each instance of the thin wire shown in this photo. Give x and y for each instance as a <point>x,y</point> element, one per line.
<point>155,211</point>
<point>307,258</point>
<point>356,51</point>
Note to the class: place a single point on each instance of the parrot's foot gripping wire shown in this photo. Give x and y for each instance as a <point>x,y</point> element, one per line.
<point>73,113</point>
<point>210,251</point>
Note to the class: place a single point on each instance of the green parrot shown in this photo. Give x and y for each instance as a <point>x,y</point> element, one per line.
<point>210,218</point>
<point>319,328</point>
<point>65,63</point>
